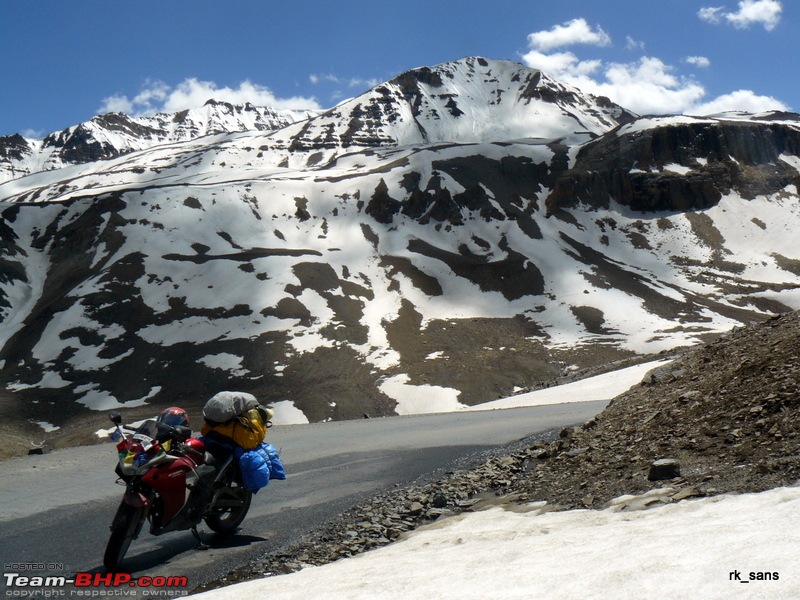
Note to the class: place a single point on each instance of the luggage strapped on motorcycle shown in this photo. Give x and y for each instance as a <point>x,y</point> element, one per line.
<point>237,416</point>
<point>237,422</point>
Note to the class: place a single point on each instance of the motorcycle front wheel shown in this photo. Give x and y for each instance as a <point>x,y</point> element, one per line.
<point>229,507</point>
<point>123,531</point>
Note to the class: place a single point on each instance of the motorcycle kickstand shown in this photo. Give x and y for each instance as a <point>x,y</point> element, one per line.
<point>200,544</point>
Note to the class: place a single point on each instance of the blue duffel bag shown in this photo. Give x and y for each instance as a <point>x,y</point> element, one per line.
<point>259,465</point>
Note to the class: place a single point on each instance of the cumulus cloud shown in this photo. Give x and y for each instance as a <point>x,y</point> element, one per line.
<point>577,31</point>
<point>564,65</point>
<point>751,12</point>
<point>740,100</point>
<point>157,96</point>
<point>646,86</point>
<point>117,104</point>
<point>698,61</point>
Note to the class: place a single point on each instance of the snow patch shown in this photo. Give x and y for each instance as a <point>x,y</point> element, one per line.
<point>97,399</point>
<point>286,413</point>
<point>419,399</point>
<point>676,168</point>
<point>571,554</point>
<point>225,362</point>
<point>600,387</point>
<point>793,161</point>
<point>48,427</point>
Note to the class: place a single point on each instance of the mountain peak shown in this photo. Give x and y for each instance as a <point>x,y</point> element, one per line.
<point>469,100</point>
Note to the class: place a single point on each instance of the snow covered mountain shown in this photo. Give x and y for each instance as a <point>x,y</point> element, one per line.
<point>470,100</point>
<point>453,235</point>
<point>114,134</point>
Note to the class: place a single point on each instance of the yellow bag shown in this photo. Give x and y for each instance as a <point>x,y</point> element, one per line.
<point>246,430</point>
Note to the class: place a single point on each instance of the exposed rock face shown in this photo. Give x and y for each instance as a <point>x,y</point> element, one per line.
<point>680,167</point>
<point>13,147</point>
<point>14,150</point>
<point>79,146</point>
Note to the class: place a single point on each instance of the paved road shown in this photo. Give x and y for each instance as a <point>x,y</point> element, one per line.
<point>55,509</point>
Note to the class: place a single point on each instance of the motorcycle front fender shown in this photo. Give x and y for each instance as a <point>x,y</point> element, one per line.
<point>136,499</point>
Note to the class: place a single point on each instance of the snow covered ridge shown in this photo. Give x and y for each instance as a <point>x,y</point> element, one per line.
<point>470,100</point>
<point>462,231</point>
<point>114,134</point>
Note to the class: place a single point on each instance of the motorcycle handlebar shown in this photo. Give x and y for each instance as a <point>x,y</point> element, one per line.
<point>163,432</point>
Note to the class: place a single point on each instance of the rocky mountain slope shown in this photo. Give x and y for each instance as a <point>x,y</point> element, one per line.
<point>447,238</point>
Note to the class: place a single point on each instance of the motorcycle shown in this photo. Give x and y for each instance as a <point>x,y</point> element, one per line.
<point>175,481</point>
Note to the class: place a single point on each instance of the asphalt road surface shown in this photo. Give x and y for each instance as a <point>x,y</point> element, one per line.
<point>55,509</point>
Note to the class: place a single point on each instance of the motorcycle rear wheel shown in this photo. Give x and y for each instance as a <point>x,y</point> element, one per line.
<point>230,506</point>
<point>123,531</point>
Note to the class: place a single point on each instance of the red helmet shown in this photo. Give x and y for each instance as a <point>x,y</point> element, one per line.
<point>174,416</point>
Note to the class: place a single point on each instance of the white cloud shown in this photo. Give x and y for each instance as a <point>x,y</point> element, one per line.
<point>632,44</point>
<point>711,14</point>
<point>32,134</point>
<point>153,91</point>
<point>577,31</point>
<point>316,78</point>
<point>116,104</point>
<point>645,86</point>
<point>157,96</point>
<point>563,65</point>
<point>751,12</point>
<point>698,61</point>
<point>351,82</point>
<point>745,100</point>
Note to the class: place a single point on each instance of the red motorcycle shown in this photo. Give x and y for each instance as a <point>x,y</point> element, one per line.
<point>174,481</point>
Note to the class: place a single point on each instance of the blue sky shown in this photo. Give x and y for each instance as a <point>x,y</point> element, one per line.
<point>65,61</point>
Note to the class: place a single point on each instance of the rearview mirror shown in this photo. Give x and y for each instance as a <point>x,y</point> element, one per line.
<point>115,417</point>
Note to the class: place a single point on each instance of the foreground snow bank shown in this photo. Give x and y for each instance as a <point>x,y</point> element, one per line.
<point>742,546</point>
